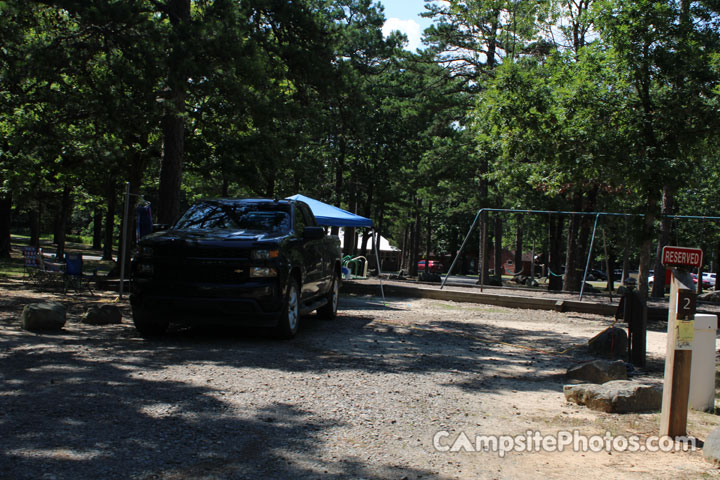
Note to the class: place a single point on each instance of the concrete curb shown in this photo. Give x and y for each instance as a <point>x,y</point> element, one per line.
<point>509,301</point>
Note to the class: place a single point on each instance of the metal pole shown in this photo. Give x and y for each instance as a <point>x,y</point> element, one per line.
<point>483,248</point>
<point>123,253</point>
<point>587,264</point>
<point>461,249</point>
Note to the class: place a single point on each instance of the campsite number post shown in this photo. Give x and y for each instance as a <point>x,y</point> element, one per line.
<point>681,316</point>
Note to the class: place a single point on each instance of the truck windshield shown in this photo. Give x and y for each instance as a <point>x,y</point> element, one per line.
<point>226,216</point>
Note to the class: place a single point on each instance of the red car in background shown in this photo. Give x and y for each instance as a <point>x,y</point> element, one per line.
<point>707,280</point>
<point>433,265</point>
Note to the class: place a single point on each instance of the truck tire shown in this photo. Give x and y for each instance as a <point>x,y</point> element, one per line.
<point>290,317</point>
<point>329,310</point>
<point>149,325</point>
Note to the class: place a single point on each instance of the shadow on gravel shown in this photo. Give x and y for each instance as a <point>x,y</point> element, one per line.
<point>363,343</point>
<point>66,414</point>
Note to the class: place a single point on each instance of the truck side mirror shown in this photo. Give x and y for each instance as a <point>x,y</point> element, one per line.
<point>313,233</point>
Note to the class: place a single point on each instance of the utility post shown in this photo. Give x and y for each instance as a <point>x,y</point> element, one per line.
<point>678,357</point>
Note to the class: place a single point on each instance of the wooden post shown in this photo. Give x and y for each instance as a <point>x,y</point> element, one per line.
<point>678,358</point>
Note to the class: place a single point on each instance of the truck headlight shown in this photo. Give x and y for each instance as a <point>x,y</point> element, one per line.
<point>264,254</point>
<point>262,272</point>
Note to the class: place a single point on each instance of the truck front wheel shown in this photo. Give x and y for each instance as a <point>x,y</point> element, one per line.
<point>329,310</point>
<point>290,317</point>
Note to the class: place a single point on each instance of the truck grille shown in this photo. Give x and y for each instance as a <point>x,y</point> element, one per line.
<point>201,272</point>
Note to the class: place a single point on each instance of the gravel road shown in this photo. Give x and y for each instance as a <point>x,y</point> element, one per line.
<point>358,397</point>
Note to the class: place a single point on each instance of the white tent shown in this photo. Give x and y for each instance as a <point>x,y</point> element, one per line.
<point>384,243</point>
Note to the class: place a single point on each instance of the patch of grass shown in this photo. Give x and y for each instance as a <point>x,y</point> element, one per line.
<point>84,239</point>
<point>47,239</point>
<point>13,267</point>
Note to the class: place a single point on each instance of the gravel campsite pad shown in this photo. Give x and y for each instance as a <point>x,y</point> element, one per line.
<point>363,396</point>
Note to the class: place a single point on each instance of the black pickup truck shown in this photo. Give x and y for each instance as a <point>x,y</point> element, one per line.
<point>251,262</point>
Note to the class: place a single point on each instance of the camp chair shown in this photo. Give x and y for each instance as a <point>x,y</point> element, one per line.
<point>50,274</point>
<point>32,265</point>
<point>74,273</point>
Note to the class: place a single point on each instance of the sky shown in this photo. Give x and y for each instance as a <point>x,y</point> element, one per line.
<point>404,15</point>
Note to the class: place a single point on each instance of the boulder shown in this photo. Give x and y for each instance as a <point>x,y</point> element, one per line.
<point>44,317</point>
<point>599,371</point>
<point>711,448</point>
<point>103,315</point>
<point>612,343</point>
<point>617,396</point>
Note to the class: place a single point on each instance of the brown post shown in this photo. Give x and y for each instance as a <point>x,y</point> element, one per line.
<point>676,386</point>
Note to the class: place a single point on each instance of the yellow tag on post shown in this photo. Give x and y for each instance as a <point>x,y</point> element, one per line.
<point>685,334</point>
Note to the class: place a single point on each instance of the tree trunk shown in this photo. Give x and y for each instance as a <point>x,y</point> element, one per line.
<point>609,262</point>
<point>97,229</point>
<point>5,217</point>
<point>663,238</point>
<point>519,251</point>
<point>173,124</point>
<point>498,247</point>
<point>111,199</point>
<point>380,214</point>
<point>626,260</point>
<point>648,232</point>
<point>485,246</point>
<point>586,226</point>
<point>716,267</point>
<point>415,248</point>
<point>364,243</point>
<point>405,248</point>
<point>62,223</point>
<point>428,242</point>
<point>366,234</point>
<point>34,220</point>
<point>350,234</point>
<point>555,226</point>
<point>572,279</point>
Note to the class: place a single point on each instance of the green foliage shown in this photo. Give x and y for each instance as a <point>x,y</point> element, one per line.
<point>513,104</point>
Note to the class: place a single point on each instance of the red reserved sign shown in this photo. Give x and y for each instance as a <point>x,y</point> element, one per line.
<point>690,257</point>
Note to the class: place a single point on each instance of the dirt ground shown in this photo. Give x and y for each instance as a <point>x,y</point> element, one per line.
<point>363,396</point>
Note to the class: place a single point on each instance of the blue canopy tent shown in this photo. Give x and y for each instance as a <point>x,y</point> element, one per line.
<point>330,216</point>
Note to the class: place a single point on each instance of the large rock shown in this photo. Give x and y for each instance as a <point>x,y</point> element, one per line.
<point>618,396</point>
<point>43,317</point>
<point>612,343</point>
<point>599,371</point>
<point>711,448</point>
<point>103,315</point>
